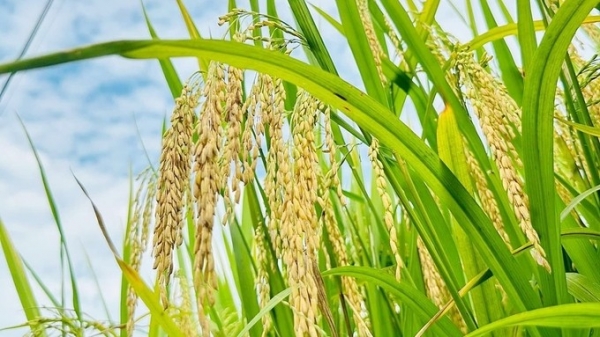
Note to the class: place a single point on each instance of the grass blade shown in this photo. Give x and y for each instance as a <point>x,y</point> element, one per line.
<point>63,241</point>
<point>20,279</point>
<point>264,311</point>
<point>420,304</point>
<point>575,315</point>
<point>538,107</point>
<point>149,297</point>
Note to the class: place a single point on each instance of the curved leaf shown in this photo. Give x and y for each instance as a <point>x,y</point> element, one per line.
<point>512,29</point>
<point>565,212</point>
<point>417,301</point>
<point>577,316</point>
<point>583,288</point>
<point>264,311</point>
<point>19,277</point>
<point>538,107</point>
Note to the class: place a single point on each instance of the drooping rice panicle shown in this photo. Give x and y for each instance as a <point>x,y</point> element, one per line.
<point>233,120</point>
<point>299,222</point>
<point>330,181</point>
<point>376,49</point>
<point>486,197</point>
<point>435,286</point>
<point>263,266</point>
<point>143,206</point>
<point>277,164</point>
<point>499,118</point>
<point>207,182</point>
<point>173,182</point>
<point>388,209</point>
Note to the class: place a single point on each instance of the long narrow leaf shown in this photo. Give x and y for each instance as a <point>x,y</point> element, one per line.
<point>577,316</point>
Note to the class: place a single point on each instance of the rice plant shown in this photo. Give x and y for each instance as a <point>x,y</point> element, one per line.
<point>339,219</point>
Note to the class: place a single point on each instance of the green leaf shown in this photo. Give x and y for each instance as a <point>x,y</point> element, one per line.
<point>513,29</point>
<point>57,221</point>
<point>578,199</point>
<point>264,311</point>
<point>19,277</point>
<point>150,299</point>
<point>538,108</point>
<point>576,316</point>
<point>414,299</point>
<point>583,288</point>
<point>244,264</point>
<point>590,130</point>
<point>166,65</point>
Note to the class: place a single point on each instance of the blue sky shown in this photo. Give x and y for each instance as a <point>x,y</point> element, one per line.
<point>81,118</point>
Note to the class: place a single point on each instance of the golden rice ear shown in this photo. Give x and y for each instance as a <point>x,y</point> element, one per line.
<point>367,23</point>
<point>299,236</point>
<point>435,286</point>
<point>499,117</point>
<point>137,237</point>
<point>486,197</point>
<point>277,164</point>
<point>263,265</point>
<point>351,290</point>
<point>388,216</point>
<point>233,119</point>
<point>173,184</point>
<point>207,183</point>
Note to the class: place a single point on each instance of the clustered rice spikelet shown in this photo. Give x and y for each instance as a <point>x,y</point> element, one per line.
<point>441,44</point>
<point>277,164</point>
<point>388,215</point>
<point>184,313</point>
<point>229,133</point>
<point>172,184</point>
<point>207,182</point>
<point>137,238</point>
<point>395,42</point>
<point>351,291</point>
<point>589,81</point>
<point>376,50</point>
<point>332,175</point>
<point>263,288</point>
<point>331,181</point>
<point>435,286</point>
<point>259,21</point>
<point>233,118</point>
<point>499,117</point>
<point>299,222</point>
<point>488,201</point>
<point>436,289</point>
<point>253,106</point>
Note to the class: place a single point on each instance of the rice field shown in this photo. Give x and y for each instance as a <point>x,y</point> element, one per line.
<point>481,218</point>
